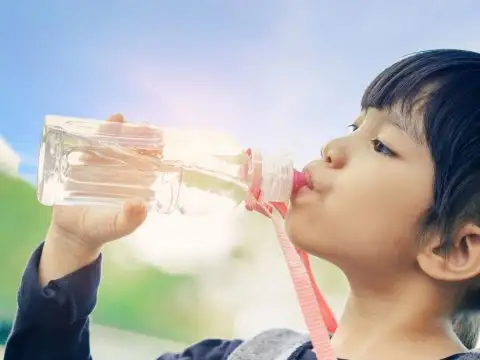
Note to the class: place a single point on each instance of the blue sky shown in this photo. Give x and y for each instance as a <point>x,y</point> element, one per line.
<point>276,74</point>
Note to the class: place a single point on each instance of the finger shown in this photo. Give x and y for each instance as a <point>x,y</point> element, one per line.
<point>118,118</point>
<point>132,215</point>
<point>113,125</point>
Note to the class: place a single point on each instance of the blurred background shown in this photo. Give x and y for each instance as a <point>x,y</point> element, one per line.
<point>280,75</point>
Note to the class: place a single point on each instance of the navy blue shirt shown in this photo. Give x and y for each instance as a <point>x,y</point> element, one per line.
<point>52,323</point>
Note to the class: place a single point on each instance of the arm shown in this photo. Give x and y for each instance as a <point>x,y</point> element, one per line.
<point>52,318</point>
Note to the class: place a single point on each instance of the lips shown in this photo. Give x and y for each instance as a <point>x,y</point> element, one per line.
<point>308,179</point>
<point>302,184</point>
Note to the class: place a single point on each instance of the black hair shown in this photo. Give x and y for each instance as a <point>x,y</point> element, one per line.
<point>442,88</point>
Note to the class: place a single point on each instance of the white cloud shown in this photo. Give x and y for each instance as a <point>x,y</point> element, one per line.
<point>9,159</point>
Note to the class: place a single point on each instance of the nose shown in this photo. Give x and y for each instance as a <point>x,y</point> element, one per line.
<point>334,154</point>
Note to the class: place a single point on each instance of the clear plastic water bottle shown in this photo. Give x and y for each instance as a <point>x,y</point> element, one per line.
<point>85,162</point>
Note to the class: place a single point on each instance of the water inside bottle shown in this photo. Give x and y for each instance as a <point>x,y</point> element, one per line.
<point>86,162</point>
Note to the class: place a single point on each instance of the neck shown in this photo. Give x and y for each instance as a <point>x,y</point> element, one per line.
<point>378,322</point>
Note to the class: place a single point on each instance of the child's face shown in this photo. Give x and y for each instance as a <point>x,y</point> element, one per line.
<point>369,192</point>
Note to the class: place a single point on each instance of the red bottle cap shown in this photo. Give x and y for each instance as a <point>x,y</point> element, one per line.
<point>299,180</point>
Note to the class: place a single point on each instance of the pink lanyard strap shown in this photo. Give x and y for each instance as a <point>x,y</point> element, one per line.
<point>317,314</point>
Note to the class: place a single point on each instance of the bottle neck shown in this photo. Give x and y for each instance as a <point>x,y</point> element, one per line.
<point>272,175</point>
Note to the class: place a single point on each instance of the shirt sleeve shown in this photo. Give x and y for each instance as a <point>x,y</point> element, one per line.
<point>53,322</point>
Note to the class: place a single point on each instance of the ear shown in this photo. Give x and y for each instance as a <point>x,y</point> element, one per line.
<point>462,262</point>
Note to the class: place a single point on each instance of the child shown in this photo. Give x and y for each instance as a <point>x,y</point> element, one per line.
<point>395,205</point>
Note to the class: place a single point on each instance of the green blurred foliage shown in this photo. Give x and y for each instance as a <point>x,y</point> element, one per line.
<point>139,298</point>
<point>23,224</point>
<point>146,300</point>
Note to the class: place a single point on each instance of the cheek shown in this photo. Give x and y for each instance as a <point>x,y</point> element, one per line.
<point>363,218</point>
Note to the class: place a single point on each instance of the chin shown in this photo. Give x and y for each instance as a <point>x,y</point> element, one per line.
<point>299,232</point>
<point>303,232</point>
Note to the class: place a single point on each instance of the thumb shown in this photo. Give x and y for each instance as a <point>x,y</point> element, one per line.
<point>130,217</point>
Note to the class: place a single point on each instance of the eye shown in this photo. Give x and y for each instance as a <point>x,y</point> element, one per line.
<point>352,127</point>
<point>381,148</point>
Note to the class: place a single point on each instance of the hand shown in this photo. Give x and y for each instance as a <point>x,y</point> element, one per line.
<point>77,233</point>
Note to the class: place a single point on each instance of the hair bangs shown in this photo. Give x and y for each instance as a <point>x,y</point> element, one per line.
<point>415,83</point>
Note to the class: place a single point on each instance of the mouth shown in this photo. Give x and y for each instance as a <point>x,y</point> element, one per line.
<point>308,179</point>
<point>305,191</point>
